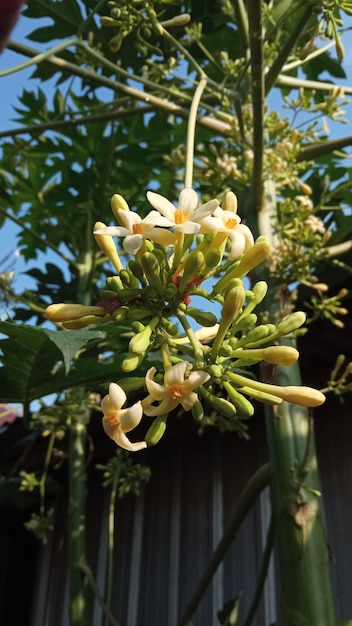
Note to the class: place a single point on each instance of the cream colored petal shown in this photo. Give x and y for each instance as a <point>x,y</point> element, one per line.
<point>123,441</point>
<point>114,231</point>
<point>163,205</point>
<point>187,201</point>
<point>189,228</point>
<point>212,225</point>
<point>129,418</point>
<point>189,400</point>
<point>132,243</point>
<point>247,235</point>
<point>158,392</point>
<point>196,379</point>
<point>128,219</point>
<point>117,397</point>
<point>238,243</point>
<point>176,374</point>
<point>164,407</point>
<point>206,209</point>
<point>155,219</point>
<point>161,235</point>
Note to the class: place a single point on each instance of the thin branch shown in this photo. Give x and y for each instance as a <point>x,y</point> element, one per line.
<point>254,487</point>
<point>286,49</point>
<point>315,150</point>
<point>136,94</point>
<point>36,235</point>
<point>257,70</point>
<point>316,53</point>
<point>300,83</point>
<point>80,121</point>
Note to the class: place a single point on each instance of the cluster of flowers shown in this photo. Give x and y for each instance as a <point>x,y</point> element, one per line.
<point>171,252</point>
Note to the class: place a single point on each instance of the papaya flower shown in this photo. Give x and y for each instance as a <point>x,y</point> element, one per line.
<point>185,217</point>
<point>229,223</point>
<point>135,230</point>
<point>118,421</point>
<point>178,388</point>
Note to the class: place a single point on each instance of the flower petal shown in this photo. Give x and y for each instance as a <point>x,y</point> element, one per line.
<point>117,397</point>
<point>114,231</point>
<point>129,418</point>
<point>163,205</point>
<point>196,379</point>
<point>158,392</point>
<point>189,400</point>
<point>165,406</point>
<point>187,201</point>
<point>175,375</point>
<point>128,219</point>
<point>155,219</point>
<point>132,243</point>
<point>124,442</point>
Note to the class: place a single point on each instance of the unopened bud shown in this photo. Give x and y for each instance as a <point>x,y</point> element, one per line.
<point>197,411</point>
<point>178,20</point>
<point>243,406</point>
<point>117,203</point>
<point>106,244</point>
<point>290,323</point>
<point>156,430</point>
<point>229,202</point>
<point>139,344</point>
<point>67,312</point>
<point>204,318</point>
<point>131,362</point>
<point>233,304</point>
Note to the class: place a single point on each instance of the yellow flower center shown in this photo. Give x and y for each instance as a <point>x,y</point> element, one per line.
<point>179,216</point>
<point>137,229</point>
<point>112,419</point>
<point>231,223</point>
<point>176,392</point>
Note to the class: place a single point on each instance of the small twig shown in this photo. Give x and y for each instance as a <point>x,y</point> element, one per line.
<point>300,83</point>
<point>86,570</point>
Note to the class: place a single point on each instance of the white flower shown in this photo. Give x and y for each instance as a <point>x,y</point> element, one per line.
<point>118,421</point>
<point>134,229</point>
<point>178,388</point>
<point>315,225</point>
<point>229,222</point>
<point>185,217</point>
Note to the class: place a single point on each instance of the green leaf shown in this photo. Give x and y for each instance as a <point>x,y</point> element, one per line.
<point>69,343</point>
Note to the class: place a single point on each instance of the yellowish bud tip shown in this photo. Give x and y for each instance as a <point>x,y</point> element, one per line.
<point>230,202</point>
<point>304,396</point>
<point>178,20</point>
<point>67,312</point>
<point>233,304</point>
<point>118,202</point>
<point>107,245</point>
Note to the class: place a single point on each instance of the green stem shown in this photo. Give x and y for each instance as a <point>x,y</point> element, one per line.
<point>196,344</point>
<point>303,553</point>
<point>77,539</point>
<point>191,130</point>
<point>89,575</point>
<point>286,49</point>
<point>249,495</point>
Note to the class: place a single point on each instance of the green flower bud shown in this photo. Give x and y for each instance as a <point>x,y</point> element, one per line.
<point>156,430</point>
<point>222,406</point>
<point>247,321</point>
<point>125,278</point>
<point>170,327</point>
<point>131,362</point>
<point>197,411</point>
<point>253,336</point>
<point>213,258</point>
<point>290,323</point>
<point>204,318</point>
<point>129,293</point>
<point>241,403</point>
<point>131,383</point>
<point>136,269</point>
<point>193,266</point>
<point>260,290</point>
<point>152,270</point>
<point>135,314</point>
<point>170,292</point>
<point>114,283</point>
<point>137,326</point>
<point>233,304</point>
<point>215,371</point>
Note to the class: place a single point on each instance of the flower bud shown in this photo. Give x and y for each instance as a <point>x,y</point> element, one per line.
<point>156,430</point>
<point>213,258</point>
<point>253,257</point>
<point>243,406</point>
<point>197,411</point>
<point>290,323</point>
<point>204,318</point>
<point>106,244</point>
<point>118,202</point>
<point>278,355</point>
<point>178,20</point>
<point>229,203</point>
<point>136,269</point>
<point>131,362</point>
<point>152,271</point>
<point>222,406</point>
<point>67,312</point>
<point>233,304</point>
<point>139,344</point>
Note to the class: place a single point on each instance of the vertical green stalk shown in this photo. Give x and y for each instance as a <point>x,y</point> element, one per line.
<point>307,597</point>
<point>77,513</point>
